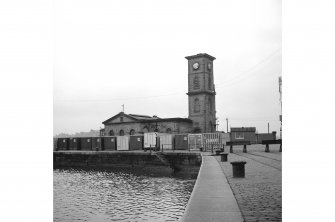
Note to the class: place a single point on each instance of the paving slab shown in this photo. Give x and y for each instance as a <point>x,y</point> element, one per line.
<point>212,198</point>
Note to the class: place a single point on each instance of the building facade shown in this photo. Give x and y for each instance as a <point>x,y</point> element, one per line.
<point>131,124</point>
<point>201,107</point>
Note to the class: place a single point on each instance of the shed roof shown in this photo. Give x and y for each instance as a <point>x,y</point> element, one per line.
<point>242,129</point>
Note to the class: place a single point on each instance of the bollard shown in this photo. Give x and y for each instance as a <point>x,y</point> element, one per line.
<point>222,147</point>
<point>231,149</point>
<point>280,148</point>
<point>267,149</point>
<point>238,168</point>
<point>244,148</point>
<point>224,157</point>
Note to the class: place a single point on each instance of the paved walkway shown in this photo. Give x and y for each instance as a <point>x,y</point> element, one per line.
<point>212,198</point>
<point>259,194</point>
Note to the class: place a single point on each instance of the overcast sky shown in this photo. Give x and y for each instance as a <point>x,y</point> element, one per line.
<point>108,53</point>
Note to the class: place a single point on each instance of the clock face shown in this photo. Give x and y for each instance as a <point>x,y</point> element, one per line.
<point>196,65</point>
<point>209,66</point>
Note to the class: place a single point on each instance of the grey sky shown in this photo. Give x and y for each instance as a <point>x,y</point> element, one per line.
<point>109,53</point>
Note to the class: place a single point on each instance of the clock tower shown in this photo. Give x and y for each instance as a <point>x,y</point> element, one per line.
<point>201,93</point>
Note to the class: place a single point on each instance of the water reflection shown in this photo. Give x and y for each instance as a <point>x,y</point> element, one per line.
<point>87,195</point>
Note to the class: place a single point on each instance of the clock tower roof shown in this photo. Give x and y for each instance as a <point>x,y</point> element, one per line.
<point>200,55</point>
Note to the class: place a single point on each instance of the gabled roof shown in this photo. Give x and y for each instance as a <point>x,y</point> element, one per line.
<point>118,115</point>
<point>143,119</point>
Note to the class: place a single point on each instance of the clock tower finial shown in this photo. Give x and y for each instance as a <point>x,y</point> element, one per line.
<point>201,93</point>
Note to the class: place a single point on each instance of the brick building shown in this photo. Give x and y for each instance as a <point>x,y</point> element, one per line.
<point>201,106</point>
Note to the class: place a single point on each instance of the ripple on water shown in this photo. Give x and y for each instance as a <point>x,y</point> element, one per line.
<point>81,195</point>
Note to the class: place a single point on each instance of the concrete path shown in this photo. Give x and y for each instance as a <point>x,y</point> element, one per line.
<point>212,198</point>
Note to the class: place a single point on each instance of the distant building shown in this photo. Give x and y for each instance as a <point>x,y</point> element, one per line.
<point>243,134</point>
<point>201,107</point>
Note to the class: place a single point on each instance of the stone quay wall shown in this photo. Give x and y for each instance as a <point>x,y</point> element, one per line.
<point>184,161</point>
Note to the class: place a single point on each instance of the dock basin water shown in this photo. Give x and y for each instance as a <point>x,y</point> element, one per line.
<point>119,195</point>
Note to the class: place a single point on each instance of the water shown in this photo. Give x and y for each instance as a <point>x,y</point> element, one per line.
<point>87,195</point>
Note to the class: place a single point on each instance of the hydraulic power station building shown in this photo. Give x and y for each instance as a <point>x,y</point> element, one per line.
<point>201,107</point>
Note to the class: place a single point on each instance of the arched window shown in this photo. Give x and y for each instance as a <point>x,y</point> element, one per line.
<point>132,132</point>
<point>111,133</point>
<point>196,104</point>
<point>121,133</point>
<point>211,129</point>
<point>168,130</point>
<point>145,129</point>
<point>209,105</point>
<point>197,130</point>
<point>196,83</point>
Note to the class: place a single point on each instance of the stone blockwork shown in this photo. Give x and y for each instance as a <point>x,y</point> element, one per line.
<point>259,194</point>
<point>183,161</point>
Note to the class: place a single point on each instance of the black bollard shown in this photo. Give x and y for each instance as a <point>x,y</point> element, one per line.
<point>238,169</point>
<point>222,148</point>
<point>280,148</point>
<point>224,157</point>
<point>244,148</point>
<point>267,149</point>
<point>231,149</point>
<point>217,152</point>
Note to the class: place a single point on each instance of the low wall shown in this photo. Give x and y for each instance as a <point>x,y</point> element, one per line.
<point>183,161</point>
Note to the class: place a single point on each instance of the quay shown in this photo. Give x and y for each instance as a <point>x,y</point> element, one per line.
<point>212,198</point>
<point>217,195</point>
<point>152,161</point>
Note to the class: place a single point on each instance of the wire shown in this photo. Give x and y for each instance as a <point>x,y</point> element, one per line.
<point>229,83</point>
<point>247,73</point>
<point>105,100</point>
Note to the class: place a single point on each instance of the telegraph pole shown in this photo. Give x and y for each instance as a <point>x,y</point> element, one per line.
<point>280,100</point>
<point>268,127</point>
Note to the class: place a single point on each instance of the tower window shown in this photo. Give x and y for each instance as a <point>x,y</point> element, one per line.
<point>121,133</point>
<point>209,105</point>
<point>209,82</point>
<point>168,130</point>
<point>121,119</point>
<point>132,132</point>
<point>196,83</point>
<point>111,133</point>
<point>196,106</point>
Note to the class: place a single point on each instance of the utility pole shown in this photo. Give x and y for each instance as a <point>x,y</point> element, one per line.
<point>123,108</point>
<point>280,100</point>
<point>227,124</point>
<point>268,127</point>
